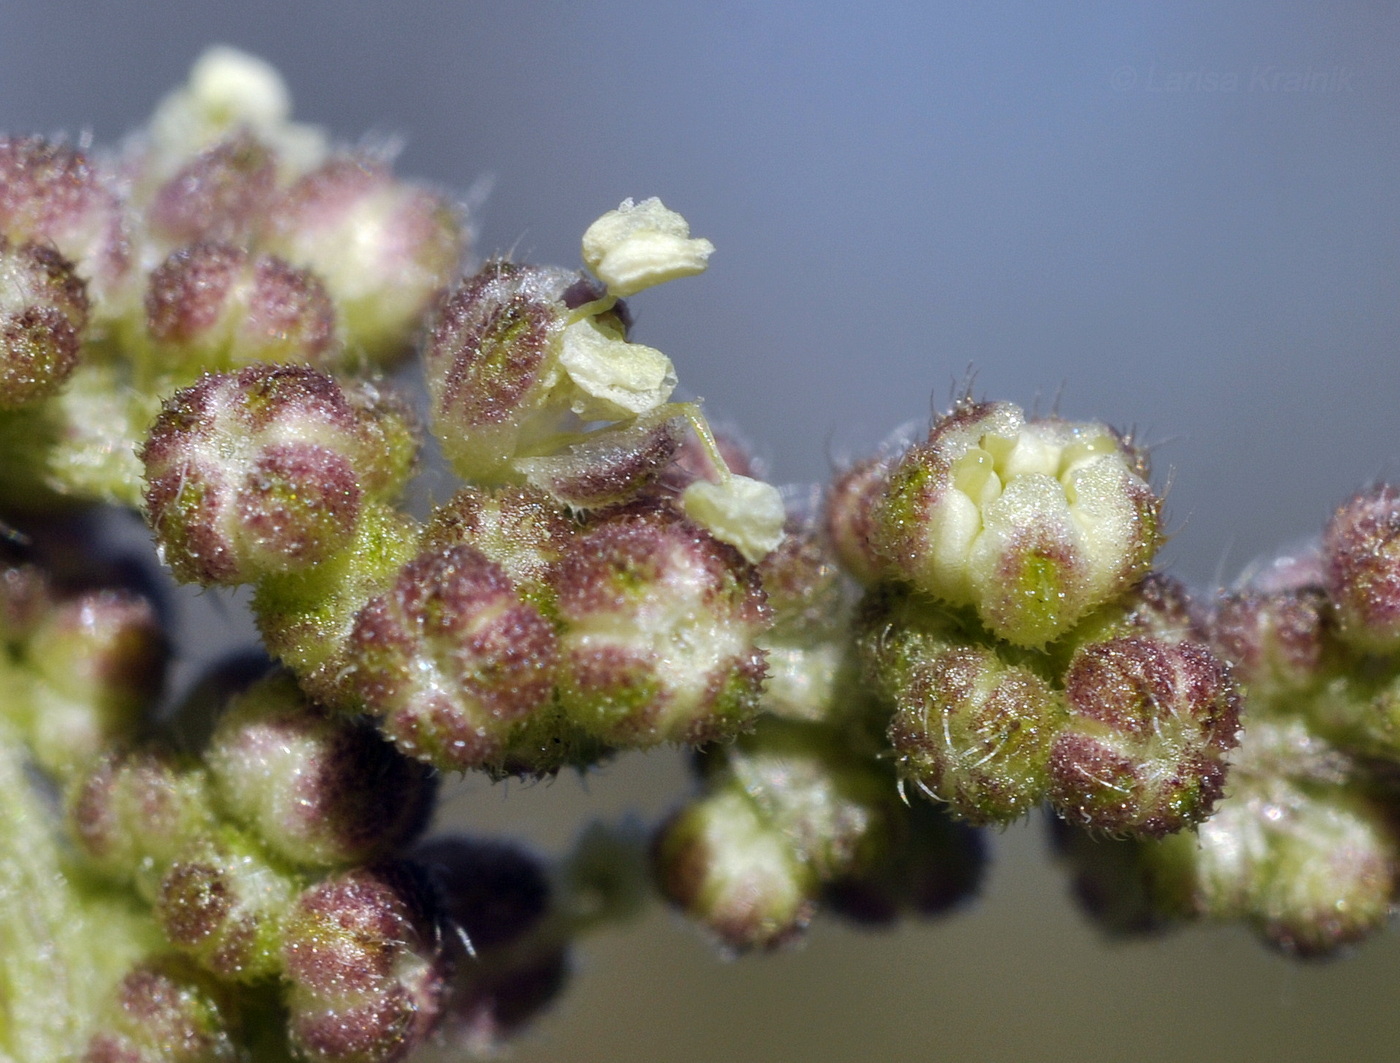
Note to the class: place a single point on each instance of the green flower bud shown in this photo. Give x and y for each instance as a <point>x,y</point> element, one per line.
<point>659,623</point>
<point>383,247</point>
<point>365,972</point>
<point>43,315</point>
<point>1032,523</point>
<point>721,862</point>
<point>1361,555</point>
<point>167,1011</point>
<point>132,814</point>
<point>264,471</point>
<point>1144,749</point>
<point>215,306</point>
<point>100,660</point>
<point>222,902</point>
<point>318,790</point>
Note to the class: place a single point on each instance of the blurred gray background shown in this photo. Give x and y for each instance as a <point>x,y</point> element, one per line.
<point>1178,217</point>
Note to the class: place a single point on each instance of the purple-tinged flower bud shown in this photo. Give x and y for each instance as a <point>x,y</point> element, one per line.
<point>222,901</point>
<point>100,658</point>
<point>609,466</point>
<point>216,306</point>
<point>451,659</point>
<point>52,194</point>
<point>721,862</point>
<point>43,315</point>
<point>220,194</point>
<point>1278,644</point>
<point>263,471</point>
<point>1150,724</point>
<point>384,247</point>
<point>851,502</point>
<point>492,361</point>
<point>1126,886</point>
<point>1361,555</point>
<point>659,626</point>
<point>317,789</point>
<point>167,1011</point>
<point>133,813</point>
<point>364,967</point>
<point>519,528</point>
<point>1032,523</point>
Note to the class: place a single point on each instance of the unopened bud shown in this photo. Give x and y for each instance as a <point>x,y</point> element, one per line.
<point>851,502</point>
<point>659,622</point>
<point>1032,523</point>
<point>1277,643</point>
<point>318,789</point>
<point>263,471</point>
<point>216,306</point>
<point>1361,554</point>
<point>383,247</point>
<point>167,1011</point>
<point>43,315</point>
<point>451,659</point>
<point>1144,749</point>
<point>727,867</point>
<point>365,973</point>
<point>218,195</point>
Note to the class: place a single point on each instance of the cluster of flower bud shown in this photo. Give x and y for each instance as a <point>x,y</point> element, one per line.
<point>1012,626</point>
<point>1304,847</point>
<point>221,235</point>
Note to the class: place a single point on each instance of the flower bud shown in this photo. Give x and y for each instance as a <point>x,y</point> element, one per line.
<point>851,502</point>
<point>167,1011</point>
<point>133,813</point>
<point>1150,724</point>
<point>492,362</point>
<point>216,306</point>
<point>318,789</point>
<point>263,471</point>
<point>25,599</point>
<point>659,622</point>
<point>1125,885</point>
<point>1361,555</point>
<point>522,529</point>
<point>1278,644</point>
<point>383,247</point>
<point>222,902</point>
<point>451,659</point>
<point>974,732</point>
<point>721,862</point>
<point>494,892</point>
<point>365,973</point>
<point>1032,523</point>
<point>53,195</point>
<point>101,661</point>
<point>43,315</point>
<point>219,195</point>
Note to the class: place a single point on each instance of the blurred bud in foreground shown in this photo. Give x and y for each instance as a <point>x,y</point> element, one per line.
<point>167,1011</point>
<point>1032,523</point>
<point>43,315</point>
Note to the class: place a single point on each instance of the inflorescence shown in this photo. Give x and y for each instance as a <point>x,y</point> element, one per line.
<point>199,324</point>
